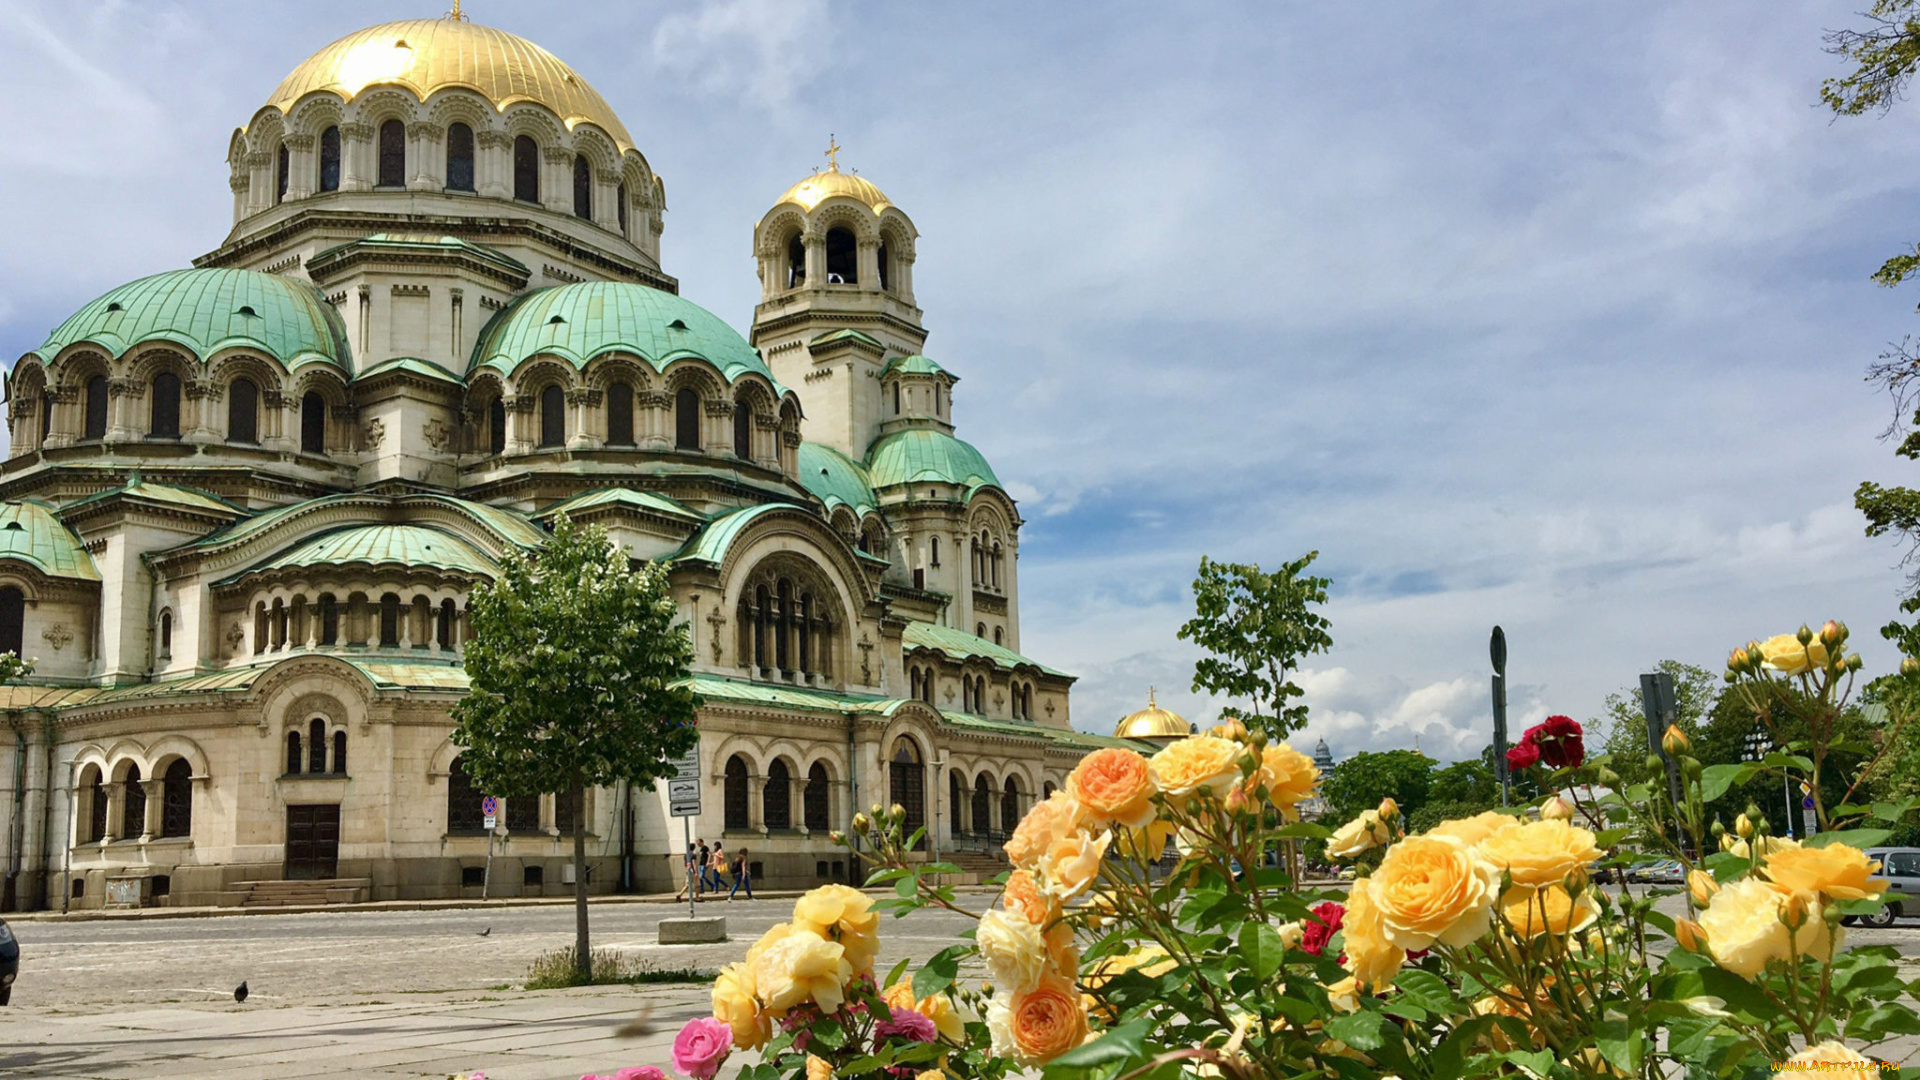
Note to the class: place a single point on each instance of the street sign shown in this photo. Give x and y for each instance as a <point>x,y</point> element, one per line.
<point>687,766</point>
<point>489,806</point>
<point>1806,803</point>
<point>683,790</point>
<point>491,822</point>
<point>684,809</point>
<point>1497,650</point>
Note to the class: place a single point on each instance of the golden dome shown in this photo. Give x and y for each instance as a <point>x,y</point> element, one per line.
<point>820,187</point>
<point>428,55</point>
<point>1153,722</point>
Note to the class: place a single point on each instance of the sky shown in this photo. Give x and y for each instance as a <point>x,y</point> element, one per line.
<point>1550,316</point>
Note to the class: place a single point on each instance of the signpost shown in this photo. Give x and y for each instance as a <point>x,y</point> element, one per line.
<point>490,810</point>
<point>1662,710</point>
<point>683,802</point>
<point>1497,648</point>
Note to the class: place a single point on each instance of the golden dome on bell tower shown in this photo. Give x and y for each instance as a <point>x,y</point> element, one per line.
<point>1153,723</point>
<point>429,55</point>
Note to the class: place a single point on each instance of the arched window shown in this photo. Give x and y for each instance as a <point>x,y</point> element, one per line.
<point>582,187</point>
<point>340,752</point>
<point>619,415</point>
<point>996,636</point>
<point>886,270</point>
<point>776,799</point>
<point>96,408</point>
<point>280,175</point>
<point>329,619</point>
<point>956,800</point>
<point>133,805</point>
<point>803,627</point>
<point>1009,806</point>
<point>933,552</point>
<point>317,746</point>
<point>926,687</point>
<point>762,616</point>
<point>686,420</point>
<point>907,782</point>
<point>982,805</point>
<point>526,169</point>
<point>313,424</point>
<point>553,417</point>
<point>243,411</point>
<point>296,762</point>
<point>742,431</point>
<point>96,806</point>
<point>330,159</point>
<point>1046,790</point>
<point>393,155</point>
<point>814,800</point>
<point>735,800</point>
<point>13,620</point>
<point>620,205</point>
<point>463,801</point>
<point>523,814</point>
<point>389,620</point>
<point>979,630</point>
<point>842,258</point>
<point>166,406</point>
<point>443,631</point>
<point>459,157</point>
<point>497,426</point>
<point>176,799</point>
<point>796,262</point>
<point>896,398</point>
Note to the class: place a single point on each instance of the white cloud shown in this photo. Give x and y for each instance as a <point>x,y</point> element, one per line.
<point>763,52</point>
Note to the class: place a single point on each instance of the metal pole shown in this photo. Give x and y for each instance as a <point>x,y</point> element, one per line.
<point>1497,651</point>
<point>486,877</point>
<point>687,822</point>
<point>1786,795</point>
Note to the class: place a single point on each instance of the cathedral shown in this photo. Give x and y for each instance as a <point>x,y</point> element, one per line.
<point>246,502</point>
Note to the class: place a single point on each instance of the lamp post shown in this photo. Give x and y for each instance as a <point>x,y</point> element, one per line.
<point>1497,650</point>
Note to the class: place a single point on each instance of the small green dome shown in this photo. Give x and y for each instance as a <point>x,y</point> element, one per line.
<point>835,479</point>
<point>207,310</point>
<point>410,546</point>
<point>30,533</point>
<point>916,365</point>
<point>580,322</point>
<point>919,455</point>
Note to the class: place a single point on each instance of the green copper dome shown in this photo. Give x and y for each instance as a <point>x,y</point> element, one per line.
<point>916,365</point>
<point>580,322</point>
<point>921,455</point>
<point>836,479</point>
<point>410,546</point>
<point>207,310</point>
<point>30,533</point>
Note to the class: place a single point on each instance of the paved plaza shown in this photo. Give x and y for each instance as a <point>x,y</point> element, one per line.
<point>386,994</point>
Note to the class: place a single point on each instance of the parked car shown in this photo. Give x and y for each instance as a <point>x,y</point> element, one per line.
<point>1901,868</point>
<point>9,962</point>
<point>1666,872</point>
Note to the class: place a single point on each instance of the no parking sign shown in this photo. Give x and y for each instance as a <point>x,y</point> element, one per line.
<point>490,809</point>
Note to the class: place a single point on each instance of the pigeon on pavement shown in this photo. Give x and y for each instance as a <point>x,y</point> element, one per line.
<point>240,992</point>
<point>638,1026</point>
<point>485,932</point>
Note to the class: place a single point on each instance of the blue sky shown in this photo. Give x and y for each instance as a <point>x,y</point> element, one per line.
<point>1551,316</point>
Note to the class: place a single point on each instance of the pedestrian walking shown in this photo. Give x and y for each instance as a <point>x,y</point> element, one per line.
<point>716,865</point>
<point>700,863</point>
<point>742,875</point>
<point>686,871</point>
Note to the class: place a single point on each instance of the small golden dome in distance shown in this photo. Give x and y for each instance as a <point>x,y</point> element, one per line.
<point>1154,723</point>
<point>822,186</point>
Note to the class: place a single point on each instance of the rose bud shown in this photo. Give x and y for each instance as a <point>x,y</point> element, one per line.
<point>1909,666</point>
<point>1832,633</point>
<point>1388,809</point>
<point>1804,635</point>
<point>1675,741</point>
<point>1701,887</point>
<point>1743,827</point>
<point>1689,936</point>
<point>862,823</point>
<point>1556,809</point>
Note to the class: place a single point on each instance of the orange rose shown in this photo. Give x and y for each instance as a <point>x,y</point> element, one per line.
<point>1060,814</point>
<point>1434,888</point>
<point>1841,872</point>
<point>1022,894</point>
<point>1046,1022</point>
<point>1114,786</point>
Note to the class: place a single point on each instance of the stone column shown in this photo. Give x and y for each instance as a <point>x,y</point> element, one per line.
<point>756,803</point>
<point>606,199</point>
<point>493,164</point>
<point>156,790</point>
<point>301,170</point>
<point>429,153</point>
<point>583,400</point>
<point>356,146</point>
<point>816,245</point>
<point>867,264</point>
<point>556,180</point>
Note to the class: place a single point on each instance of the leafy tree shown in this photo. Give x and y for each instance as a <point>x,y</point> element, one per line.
<point>1625,722</point>
<point>1257,627</point>
<point>576,666</point>
<point>1361,781</point>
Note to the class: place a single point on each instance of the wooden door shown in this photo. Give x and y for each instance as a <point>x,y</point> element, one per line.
<point>313,842</point>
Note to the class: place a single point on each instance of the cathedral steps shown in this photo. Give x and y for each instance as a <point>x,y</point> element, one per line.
<point>976,867</point>
<point>307,893</point>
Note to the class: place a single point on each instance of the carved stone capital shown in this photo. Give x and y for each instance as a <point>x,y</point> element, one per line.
<point>299,142</point>
<point>423,129</point>
<point>790,440</point>
<point>557,155</point>
<point>719,408</point>
<point>583,396</point>
<point>356,131</point>
<point>493,139</point>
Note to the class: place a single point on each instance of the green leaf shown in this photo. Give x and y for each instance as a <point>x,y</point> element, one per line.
<point>1449,1058</point>
<point>938,972</point>
<point>1262,949</point>
<point>898,969</point>
<point>1621,1043</point>
<point>1364,1031</point>
<point>1860,838</point>
<point>1536,1063</point>
<point>1122,1044</point>
<point>1716,779</point>
<point>1428,991</point>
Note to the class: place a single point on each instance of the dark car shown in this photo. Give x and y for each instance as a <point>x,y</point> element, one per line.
<point>9,962</point>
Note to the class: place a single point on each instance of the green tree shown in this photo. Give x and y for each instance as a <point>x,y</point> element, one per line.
<point>1361,781</point>
<point>1624,720</point>
<point>1256,627</point>
<point>576,666</point>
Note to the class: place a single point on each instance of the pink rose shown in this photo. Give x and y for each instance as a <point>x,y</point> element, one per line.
<point>633,1072</point>
<point>908,1024</point>
<point>702,1046</point>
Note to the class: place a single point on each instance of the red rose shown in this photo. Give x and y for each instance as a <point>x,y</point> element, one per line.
<point>1524,756</point>
<point>1559,740</point>
<point>1316,931</point>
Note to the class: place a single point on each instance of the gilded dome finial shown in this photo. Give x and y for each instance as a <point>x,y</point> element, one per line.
<point>1150,702</point>
<point>456,15</point>
<point>833,154</point>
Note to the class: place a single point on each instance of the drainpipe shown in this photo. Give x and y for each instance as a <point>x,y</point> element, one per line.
<point>626,836</point>
<point>17,827</point>
<point>854,875</point>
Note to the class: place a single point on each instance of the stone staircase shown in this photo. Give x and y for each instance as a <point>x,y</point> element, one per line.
<point>976,866</point>
<point>307,893</point>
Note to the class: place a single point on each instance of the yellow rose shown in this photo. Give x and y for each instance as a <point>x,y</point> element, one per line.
<point>1433,888</point>
<point>1070,864</point>
<point>1114,786</point>
<point>1148,960</point>
<point>799,967</point>
<point>842,914</point>
<point>1197,763</point>
<point>1290,776</point>
<point>1363,833</point>
<point>734,1003</point>
<point>1745,928</point>
<point>1372,959</point>
<point>1785,654</point>
<point>1148,844</point>
<point>1062,957</point>
<point>1540,853</point>
<point>1344,995</point>
<point>1014,950</point>
<point>818,1069</point>
<point>1060,814</point>
<point>1548,910</point>
<point>1035,1027</point>
<point>1839,871</point>
<point>1760,846</point>
<point>1830,1061</point>
<point>1471,831</point>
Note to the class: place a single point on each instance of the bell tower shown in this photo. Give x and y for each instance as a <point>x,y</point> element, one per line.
<point>836,301</point>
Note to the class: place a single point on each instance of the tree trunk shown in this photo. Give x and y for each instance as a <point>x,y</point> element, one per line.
<point>582,953</point>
